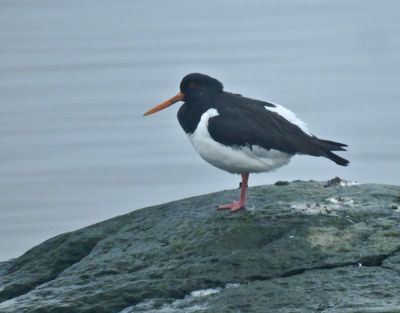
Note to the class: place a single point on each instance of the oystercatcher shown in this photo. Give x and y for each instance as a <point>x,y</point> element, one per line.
<point>242,135</point>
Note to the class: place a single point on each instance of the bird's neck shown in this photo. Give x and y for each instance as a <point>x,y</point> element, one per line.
<point>190,113</point>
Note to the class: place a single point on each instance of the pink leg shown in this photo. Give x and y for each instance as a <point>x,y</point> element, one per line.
<point>237,205</point>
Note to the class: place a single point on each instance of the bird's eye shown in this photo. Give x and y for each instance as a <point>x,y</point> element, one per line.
<point>192,85</point>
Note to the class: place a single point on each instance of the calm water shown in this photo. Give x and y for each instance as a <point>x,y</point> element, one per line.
<point>76,76</point>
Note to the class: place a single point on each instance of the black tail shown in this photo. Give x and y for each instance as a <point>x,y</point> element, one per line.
<point>337,159</point>
<point>332,145</point>
<point>328,146</point>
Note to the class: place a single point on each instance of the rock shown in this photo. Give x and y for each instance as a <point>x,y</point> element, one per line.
<point>334,182</point>
<point>337,181</point>
<point>281,183</point>
<point>302,248</point>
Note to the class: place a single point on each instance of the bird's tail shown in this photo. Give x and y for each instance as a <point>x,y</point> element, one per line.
<point>329,146</point>
<point>332,145</point>
<point>337,159</point>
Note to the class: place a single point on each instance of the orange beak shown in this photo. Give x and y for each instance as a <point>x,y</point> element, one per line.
<point>178,97</point>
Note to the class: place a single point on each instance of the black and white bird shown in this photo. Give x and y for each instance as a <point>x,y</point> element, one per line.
<point>242,135</point>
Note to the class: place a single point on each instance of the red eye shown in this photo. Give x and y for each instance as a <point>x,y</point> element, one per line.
<point>192,85</point>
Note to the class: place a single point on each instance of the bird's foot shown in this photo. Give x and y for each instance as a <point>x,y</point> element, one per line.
<point>233,207</point>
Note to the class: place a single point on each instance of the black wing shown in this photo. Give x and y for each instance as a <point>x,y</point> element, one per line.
<point>248,123</point>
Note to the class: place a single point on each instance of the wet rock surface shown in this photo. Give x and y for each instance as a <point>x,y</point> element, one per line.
<point>301,248</point>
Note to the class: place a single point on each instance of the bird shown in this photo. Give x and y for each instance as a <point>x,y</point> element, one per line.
<point>241,135</point>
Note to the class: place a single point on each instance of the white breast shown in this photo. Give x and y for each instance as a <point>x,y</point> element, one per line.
<point>234,160</point>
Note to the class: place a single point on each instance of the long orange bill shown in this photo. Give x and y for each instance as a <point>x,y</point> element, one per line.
<point>165,104</point>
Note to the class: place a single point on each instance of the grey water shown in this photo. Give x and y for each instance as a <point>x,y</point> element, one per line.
<point>76,76</point>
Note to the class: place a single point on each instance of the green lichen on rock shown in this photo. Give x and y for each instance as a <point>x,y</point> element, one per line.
<point>296,248</point>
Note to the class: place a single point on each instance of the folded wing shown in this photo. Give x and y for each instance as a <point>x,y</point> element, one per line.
<point>252,124</point>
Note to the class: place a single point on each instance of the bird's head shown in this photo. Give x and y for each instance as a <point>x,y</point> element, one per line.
<point>195,84</point>
<point>192,86</point>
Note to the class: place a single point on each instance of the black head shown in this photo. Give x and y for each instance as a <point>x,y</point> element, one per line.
<point>192,87</point>
<point>197,84</point>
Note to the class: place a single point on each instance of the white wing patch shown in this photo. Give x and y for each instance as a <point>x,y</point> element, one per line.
<point>289,116</point>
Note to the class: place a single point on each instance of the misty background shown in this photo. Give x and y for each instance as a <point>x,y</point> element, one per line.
<point>76,77</point>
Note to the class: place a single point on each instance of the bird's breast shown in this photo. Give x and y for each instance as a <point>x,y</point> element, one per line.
<point>233,159</point>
